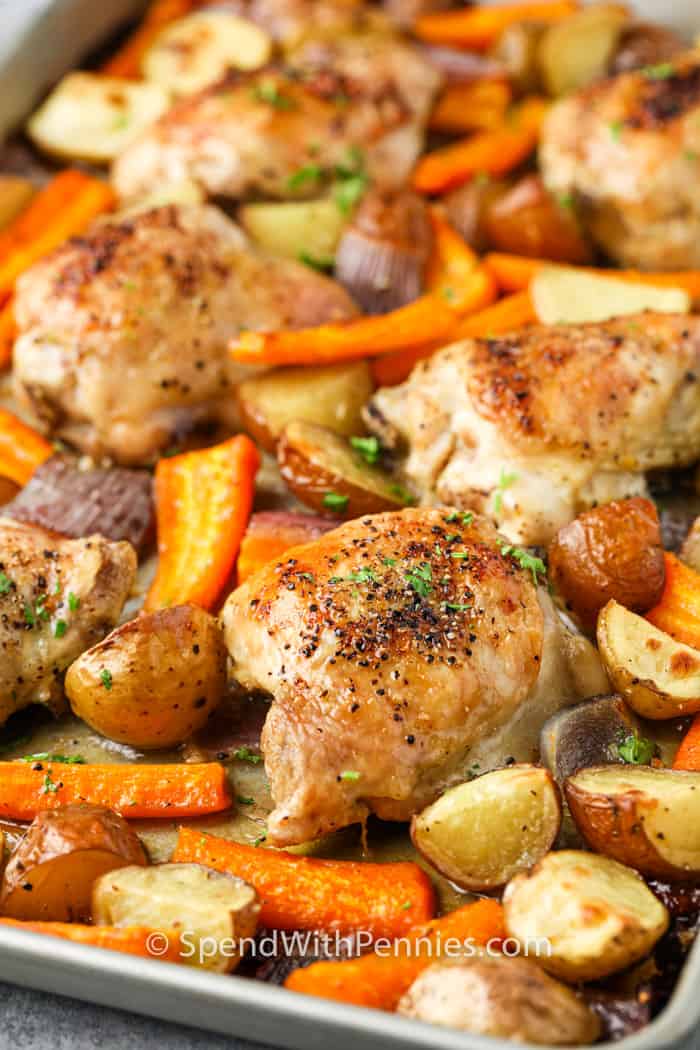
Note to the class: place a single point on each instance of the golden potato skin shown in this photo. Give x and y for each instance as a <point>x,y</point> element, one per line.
<point>51,872</point>
<point>611,552</point>
<point>165,674</point>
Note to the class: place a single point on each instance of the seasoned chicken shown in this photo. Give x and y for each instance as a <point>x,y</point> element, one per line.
<point>356,105</point>
<point>57,598</point>
<point>628,151</point>
<point>289,21</point>
<point>122,332</point>
<point>535,426</point>
<point>399,650</point>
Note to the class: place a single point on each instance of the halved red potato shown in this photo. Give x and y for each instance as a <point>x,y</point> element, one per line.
<point>588,734</point>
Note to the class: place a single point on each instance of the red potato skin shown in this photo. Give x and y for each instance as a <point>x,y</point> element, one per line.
<point>527,220</point>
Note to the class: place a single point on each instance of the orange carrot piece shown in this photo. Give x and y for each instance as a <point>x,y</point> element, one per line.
<point>271,533</point>
<point>494,152</point>
<point>127,60</point>
<point>22,450</point>
<point>8,333</point>
<point>173,790</point>
<point>688,754</point>
<point>678,611</point>
<point>471,107</point>
<point>203,502</point>
<point>41,210</point>
<point>513,272</point>
<point>478,28</point>
<point>134,940</point>
<point>309,893</point>
<point>379,980</point>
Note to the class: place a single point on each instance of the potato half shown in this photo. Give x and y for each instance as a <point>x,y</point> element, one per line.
<point>52,870</point>
<point>213,911</point>
<point>295,229</point>
<point>646,818</point>
<point>456,833</point>
<point>566,296</point>
<point>165,671</point>
<point>658,676</point>
<point>586,916</point>
<point>92,117</point>
<point>578,49</point>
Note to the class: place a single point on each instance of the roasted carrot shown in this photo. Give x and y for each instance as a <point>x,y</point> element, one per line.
<point>379,980</point>
<point>471,107</point>
<point>493,152</point>
<point>41,210</point>
<point>272,532</point>
<point>127,60</point>
<point>8,332</point>
<point>678,612</point>
<point>478,27</point>
<point>22,450</point>
<point>452,267</point>
<point>134,940</point>
<point>175,790</point>
<point>203,502</point>
<point>309,893</point>
<point>688,754</point>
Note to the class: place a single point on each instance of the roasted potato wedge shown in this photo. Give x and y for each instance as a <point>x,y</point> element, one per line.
<point>332,396</point>
<point>323,470</point>
<point>214,911</point>
<point>579,49</point>
<point>521,801</point>
<point>658,676</point>
<point>194,51</point>
<point>52,870</point>
<point>510,998</point>
<point>612,551</point>
<point>564,296</point>
<point>15,195</point>
<point>469,206</point>
<point>306,230</point>
<point>92,117</point>
<point>646,818</point>
<point>166,672</point>
<point>528,220</point>
<point>588,916</point>
<point>589,734</point>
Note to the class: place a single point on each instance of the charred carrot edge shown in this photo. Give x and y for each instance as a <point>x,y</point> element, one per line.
<point>478,28</point>
<point>203,502</point>
<point>22,450</point>
<point>494,152</point>
<point>8,333</point>
<point>64,208</point>
<point>678,611</point>
<point>127,60</point>
<point>309,893</point>
<point>471,107</point>
<point>688,754</point>
<point>379,980</point>
<point>134,940</point>
<point>184,790</point>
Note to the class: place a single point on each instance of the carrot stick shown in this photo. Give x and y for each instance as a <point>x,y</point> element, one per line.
<point>175,790</point>
<point>379,980</point>
<point>134,940</point>
<point>42,208</point>
<point>478,28</point>
<point>688,754</point>
<point>678,611</point>
<point>494,152</point>
<point>22,450</point>
<point>309,893</point>
<point>8,333</point>
<point>271,533</point>
<point>203,502</point>
<point>471,107</point>
<point>127,61</point>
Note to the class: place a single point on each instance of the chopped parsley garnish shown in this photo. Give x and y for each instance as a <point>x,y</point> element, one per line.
<point>363,575</point>
<point>243,800</point>
<point>407,906</point>
<point>466,518</point>
<point>420,579</point>
<point>49,787</point>
<point>244,754</point>
<point>369,448</point>
<point>349,774</point>
<point>106,678</point>
<point>311,173</point>
<point>121,121</point>
<point>307,576</point>
<point>662,71</point>
<point>267,91</point>
<point>320,263</point>
<point>389,561</point>
<point>616,130</point>
<point>73,601</point>
<point>528,562</point>
<point>566,200</point>
<point>636,750</point>
<point>6,584</point>
<point>402,494</point>
<point>351,181</point>
<point>459,554</point>
<point>334,501</point>
<point>48,756</point>
<point>60,628</point>
<point>504,482</point>
<point>259,840</point>
<point>457,606</point>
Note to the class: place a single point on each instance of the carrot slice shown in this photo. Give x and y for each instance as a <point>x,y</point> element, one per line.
<point>22,449</point>
<point>184,790</point>
<point>471,107</point>
<point>203,502</point>
<point>134,940</point>
<point>478,28</point>
<point>379,980</point>
<point>271,533</point>
<point>678,611</point>
<point>127,60</point>
<point>688,754</point>
<point>309,893</point>
<point>494,152</point>
<point>8,334</point>
<point>41,210</point>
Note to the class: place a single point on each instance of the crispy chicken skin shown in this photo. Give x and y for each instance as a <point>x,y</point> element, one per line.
<point>535,426</point>
<point>628,151</point>
<point>48,581</point>
<point>122,332</point>
<point>248,135</point>
<point>399,649</point>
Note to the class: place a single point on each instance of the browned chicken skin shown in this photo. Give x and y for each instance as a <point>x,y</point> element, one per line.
<point>399,650</point>
<point>628,151</point>
<point>122,332</point>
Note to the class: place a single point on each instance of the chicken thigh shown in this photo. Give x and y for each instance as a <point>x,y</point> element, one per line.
<point>399,650</point>
<point>535,426</point>
<point>122,332</point>
<point>57,598</point>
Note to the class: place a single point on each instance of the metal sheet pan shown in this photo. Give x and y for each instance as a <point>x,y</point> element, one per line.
<point>39,40</point>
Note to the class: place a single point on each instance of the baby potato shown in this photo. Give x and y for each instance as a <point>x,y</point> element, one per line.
<point>153,681</point>
<point>528,220</point>
<point>579,49</point>
<point>213,911</point>
<point>510,998</point>
<point>588,734</point>
<point>613,551</point>
<point>588,915</point>
<point>51,872</point>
